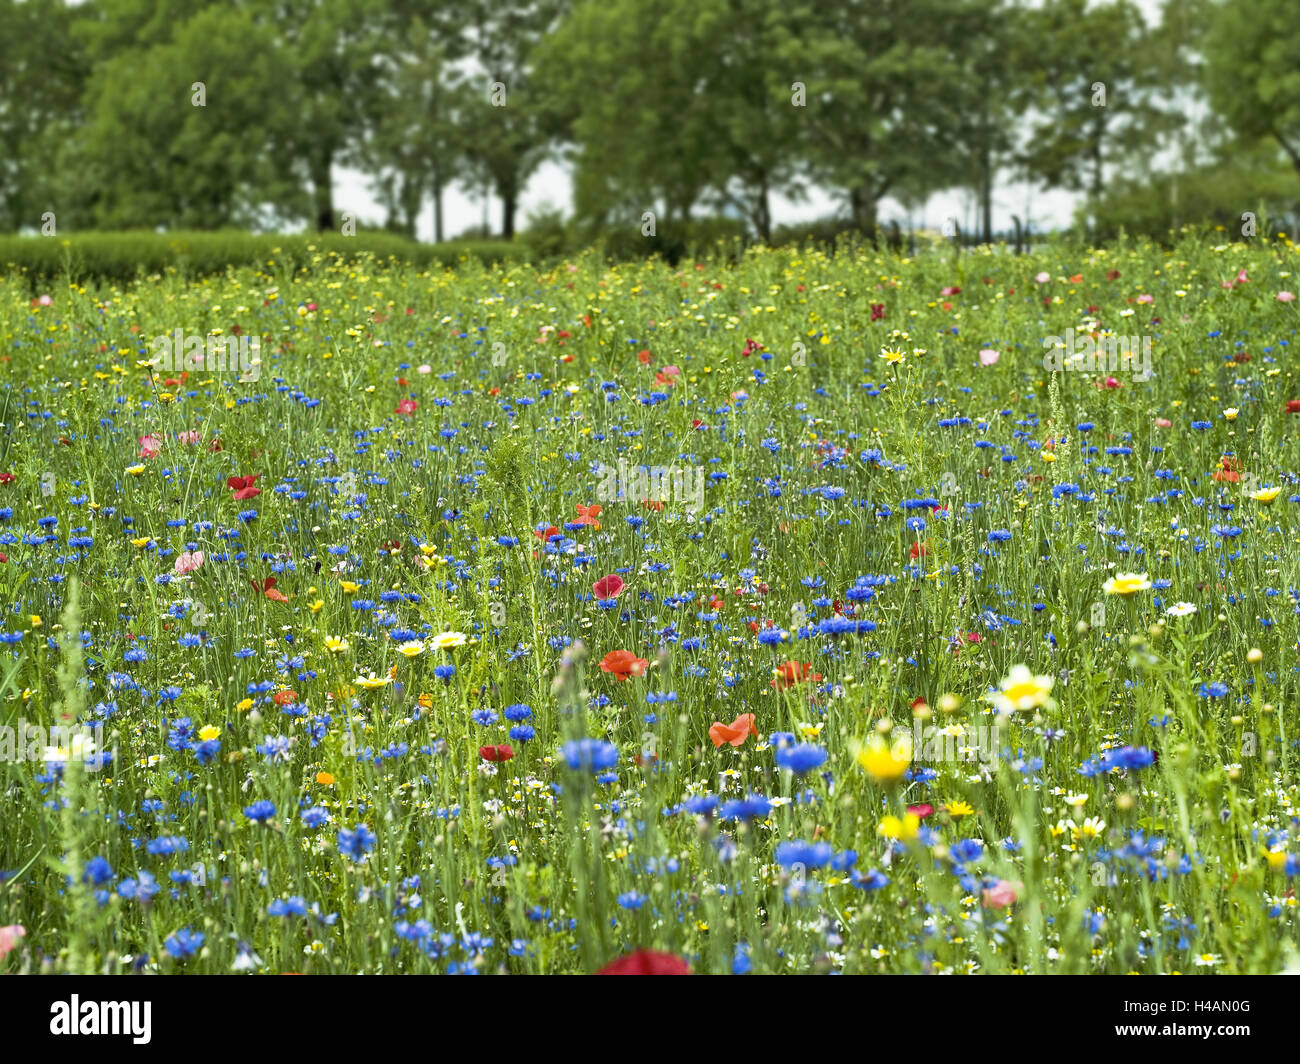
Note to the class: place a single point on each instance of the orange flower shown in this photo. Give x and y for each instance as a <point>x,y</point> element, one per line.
<point>587,515</point>
<point>734,733</point>
<point>622,664</point>
<point>653,504</point>
<point>324,779</point>
<point>792,673</point>
<point>284,698</point>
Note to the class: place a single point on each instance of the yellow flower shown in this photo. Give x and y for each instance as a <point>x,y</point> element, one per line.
<point>425,699</point>
<point>245,705</point>
<point>412,649</point>
<point>1266,495</point>
<point>36,620</point>
<point>885,763</point>
<point>135,470</point>
<point>1021,690</point>
<point>370,683</point>
<point>1126,584</point>
<point>1092,827</point>
<point>958,809</point>
<point>447,640</point>
<point>324,779</point>
<point>317,606</point>
<point>891,356</point>
<point>1231,413</point>
<point>336,644</point>
<point>903,829</point>
<point>143,541</point>
<point>349,587</point>
<point>209,732</point>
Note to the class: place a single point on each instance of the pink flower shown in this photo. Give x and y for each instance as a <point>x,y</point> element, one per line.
<point>407,407</point>
<point>426,368</point>
<point>44,301</point>
<point>1242,278</point>
<point>188,436</point>
<point>1043,277</point>
<point>1285,297</point>
<point>1144,298</point>
<point>988,356</point>
<point>607,587</point>
<point>150,446</point>
<point>1163,423</point>
<point>188,562</point>
<point>1002,895</point>
<point>10,935</point>
<point>951,290</point>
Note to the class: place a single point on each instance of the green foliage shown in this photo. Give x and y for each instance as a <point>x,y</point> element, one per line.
<point>124,256</point>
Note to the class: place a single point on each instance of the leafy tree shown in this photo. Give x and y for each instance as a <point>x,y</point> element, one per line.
<point>42,75</point>
<point>1251,73</point>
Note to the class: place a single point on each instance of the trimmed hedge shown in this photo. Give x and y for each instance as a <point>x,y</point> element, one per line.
<point>124,256</point>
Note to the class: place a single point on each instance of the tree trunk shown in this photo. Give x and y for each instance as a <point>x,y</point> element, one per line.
<point>509,201</point>
<point>761,215</point>
<point>412,197</point>
<point>323,184</point>
<point>986,196</point>
<point>862,208</point>
<point>437,210</point>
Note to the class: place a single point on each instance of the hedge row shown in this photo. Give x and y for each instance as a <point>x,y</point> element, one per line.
<point>123,256</point>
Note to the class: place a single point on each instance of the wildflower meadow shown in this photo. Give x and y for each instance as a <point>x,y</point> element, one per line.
<point>772,612</point>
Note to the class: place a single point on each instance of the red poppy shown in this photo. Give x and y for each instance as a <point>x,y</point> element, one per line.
<point>3,558</point>
<point>922,811</point>
<point>877,311</point>
<point>607,587</point>
<point>587,515</point>
<point>243,486</point>
<point>623,663</point>
<point>496,753</point>
<point>644,357</point>
<point>284,698</point>
<point>407,407</point>
<point>734,733</point>
<point>653,504</point>
<point>1112,275</point>
<point>919,550</point>
<point>267,587</point>
<point>751,347</point>
<point>792,673</point>
<point>1292,407</point>
<point>647,962</point>
<point>7,478</point>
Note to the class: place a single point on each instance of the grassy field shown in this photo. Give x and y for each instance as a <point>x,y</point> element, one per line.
<point>796,615</point>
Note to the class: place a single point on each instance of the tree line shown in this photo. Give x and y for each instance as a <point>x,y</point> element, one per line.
<point>193,114</point>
